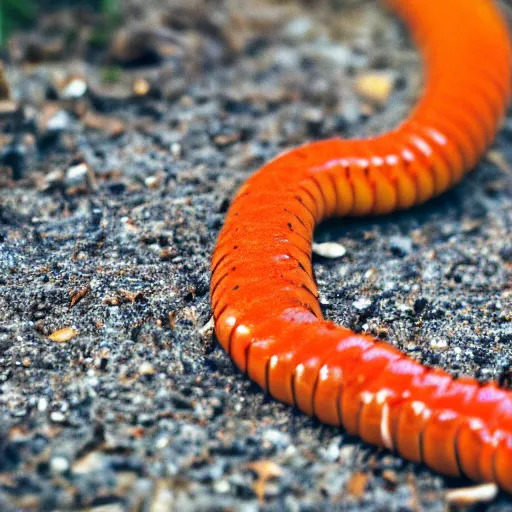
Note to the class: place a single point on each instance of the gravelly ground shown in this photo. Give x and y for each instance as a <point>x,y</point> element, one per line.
<point>140,409</point>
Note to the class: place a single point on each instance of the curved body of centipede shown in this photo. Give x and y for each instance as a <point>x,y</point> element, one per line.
<point>264,295</point>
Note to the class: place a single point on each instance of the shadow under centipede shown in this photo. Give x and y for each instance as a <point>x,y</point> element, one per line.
<point>466,200</point>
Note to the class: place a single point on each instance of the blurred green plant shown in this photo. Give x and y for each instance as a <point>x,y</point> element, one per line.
<point>112,10</point>
<point>16,14</point>
<point>111,74</point>
<point>19,14</point>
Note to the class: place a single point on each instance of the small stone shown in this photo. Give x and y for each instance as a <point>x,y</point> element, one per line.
<point>141,87</point>
<point>176,149</point>
<point>59,122</point>
<point>464,497</point>
<point>375,87</point>
<point>74,88</point>
<point>42,404</point>
<point>276,437</point>
<point>362,304</point>
<point>222,486</point>
<point>93,461</point>
<point>76,175</point>
<point>57,417</point>
<point>146,369</point>
<point>152,181</point>
<point>59,465</point>
<point>329,250</point>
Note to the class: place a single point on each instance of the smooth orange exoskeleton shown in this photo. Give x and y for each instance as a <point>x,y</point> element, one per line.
<point>263,290</point>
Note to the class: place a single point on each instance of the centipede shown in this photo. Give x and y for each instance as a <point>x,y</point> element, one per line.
<point>263,290</point>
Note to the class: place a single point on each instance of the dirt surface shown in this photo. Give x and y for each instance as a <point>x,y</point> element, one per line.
<point>120,156</point>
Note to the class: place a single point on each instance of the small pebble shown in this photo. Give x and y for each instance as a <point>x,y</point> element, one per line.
<point>362,304</point>
<point>57,417</point>
<point>76,175</point>
<point>60,121</point>
<point>59,465</point>
<point>222,486</point>
<point>146,369</point>
<point>329,250</point>
<point>42,404</point>
<point>75,88</point>
<point>471,495</point>
<point>375,86</point>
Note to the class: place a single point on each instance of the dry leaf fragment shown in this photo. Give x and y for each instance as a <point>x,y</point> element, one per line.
<point>77,296</point>
<point>357,484</point>
<point>265,470</point>
<point>122,297</point>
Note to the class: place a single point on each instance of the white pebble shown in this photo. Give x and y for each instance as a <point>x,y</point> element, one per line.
<point>329,250</point>
<point>470,495</point>
<point>59,465</point>
<point>76,88</point>
<point>222,486</point>
<point>57,417</point>
<point>42,404</point>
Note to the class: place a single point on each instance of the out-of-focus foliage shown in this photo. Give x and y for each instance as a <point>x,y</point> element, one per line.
<point>15,14</point>
<point>21,14</point>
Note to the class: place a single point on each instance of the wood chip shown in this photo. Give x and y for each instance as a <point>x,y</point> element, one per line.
<point>63,335</point>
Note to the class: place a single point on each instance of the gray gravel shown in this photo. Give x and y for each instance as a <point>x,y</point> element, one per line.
<point>108,234</point>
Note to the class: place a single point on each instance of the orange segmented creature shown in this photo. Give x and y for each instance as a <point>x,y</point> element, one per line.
<point>263,291</point>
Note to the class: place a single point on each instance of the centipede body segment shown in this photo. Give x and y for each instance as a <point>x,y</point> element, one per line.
<point>263,291</point>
